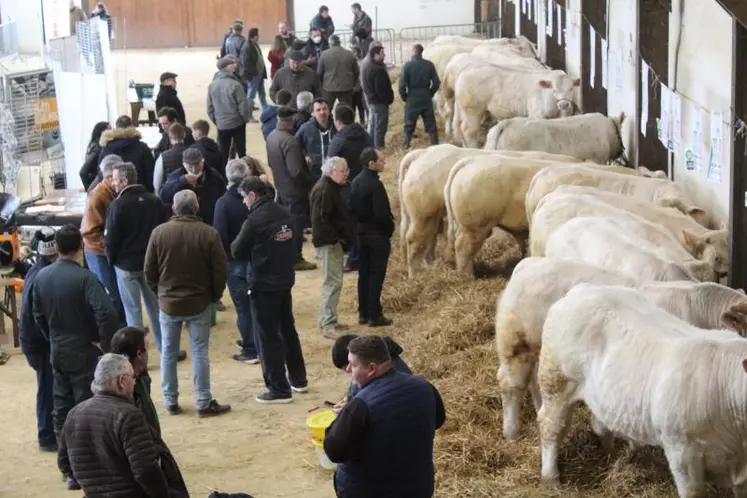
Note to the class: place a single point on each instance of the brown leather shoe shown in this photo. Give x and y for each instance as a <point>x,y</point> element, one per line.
<point>304,265</point>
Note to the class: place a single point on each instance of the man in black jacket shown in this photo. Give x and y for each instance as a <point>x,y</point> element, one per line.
<point>167,97</point>
<point>418,83</point>
<point>166,117</point>
<point>315,45</point>
<point>253,71</point>
<point>332,233</point>
<point>348,144</point>
<point>194,175</point>
<point>35,345</point>
<point>130,220</point>
<point>124,141</point>
<point>387,429</point>
<point>266,241</point>
<point>377,87</point>
<point>72,310</point>
<point>375,225</point>
<point>315,136</point>
<point>292,179</point>
<point>208,146</point>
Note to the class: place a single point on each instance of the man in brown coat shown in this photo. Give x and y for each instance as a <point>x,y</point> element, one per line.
<point>186,265</point>
<point>107,442</point>
<point>297,77</point>
<point>76,15</point>
<point>338,71</point>
<point>92,228</point>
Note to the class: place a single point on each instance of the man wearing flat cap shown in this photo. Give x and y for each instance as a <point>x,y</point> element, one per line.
<point>228,108</point>
<point>203,180</point>
<point>296,78</point>
<point>167,97</point>
<point>292,179</point>
<point>33,343</point>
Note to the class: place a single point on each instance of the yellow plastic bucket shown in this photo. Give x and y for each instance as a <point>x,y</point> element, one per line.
<point>318,423</point>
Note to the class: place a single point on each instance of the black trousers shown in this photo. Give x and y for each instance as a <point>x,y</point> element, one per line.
<point>44,397</point>
<point>228,140</point>
<point>73,374</point>
<point>344,97</point>
<point>277,341</point>
<point>373,258</point>
<point>300,209</point>
<point>359,104</point>
<point>412,113</point>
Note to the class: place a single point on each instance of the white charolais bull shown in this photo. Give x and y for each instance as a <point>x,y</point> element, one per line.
<point>422,176</point>
<point>587,137</point>
<point>649,377</point>
<point>521,45</point>
<point>542,281</point>
<point>655,224</point>
<point>482,55</point>
<point>507,92</point>
<point>662,192</point>
<point>618,244</point>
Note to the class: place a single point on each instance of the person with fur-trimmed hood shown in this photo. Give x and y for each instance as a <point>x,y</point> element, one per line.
<point>124,141</point>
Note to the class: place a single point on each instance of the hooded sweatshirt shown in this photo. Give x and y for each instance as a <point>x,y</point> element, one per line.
<point>126,143</point>
<point>349,144</point>
<point>315,141</point>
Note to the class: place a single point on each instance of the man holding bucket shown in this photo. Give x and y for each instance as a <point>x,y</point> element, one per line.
<point>382,438</point>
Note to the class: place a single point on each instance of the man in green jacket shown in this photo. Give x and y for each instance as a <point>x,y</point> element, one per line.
<point>253,71</point>
<point>131,342</point>
<point>418,83</point>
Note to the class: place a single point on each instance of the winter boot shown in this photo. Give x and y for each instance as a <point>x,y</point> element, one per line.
<point>406,141</point>
<point>434,138</point>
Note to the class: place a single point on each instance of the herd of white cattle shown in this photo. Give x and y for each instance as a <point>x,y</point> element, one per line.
<point>618,305</point>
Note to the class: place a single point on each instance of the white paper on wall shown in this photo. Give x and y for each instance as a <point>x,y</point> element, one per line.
<point>536,12</point>
<point>714,165</point>
<point>568,28</point>
<point>548,21</point>
<point>618,72</point>
<point>593,57</point>
<point>559,16</point>
<point>644,97</point>
<point>605,64</point>
<point>664,113</point>
<point>697,139</point>
<point>675,135</point>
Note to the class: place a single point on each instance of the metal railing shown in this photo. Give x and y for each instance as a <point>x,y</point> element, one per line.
<point>387,37</point>
<point>426,34</point>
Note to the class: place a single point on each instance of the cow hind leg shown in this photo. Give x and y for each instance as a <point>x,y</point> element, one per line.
<point>470,127</point>
<point>419,237</point>
<point>514,375</point>
<point>468,244</point>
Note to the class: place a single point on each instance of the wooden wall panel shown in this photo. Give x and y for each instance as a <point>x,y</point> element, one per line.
<point>555,52</point>
<point>593,99</point>
<point>213,17</point>
<point>738,211</point>
<point>190,23</point>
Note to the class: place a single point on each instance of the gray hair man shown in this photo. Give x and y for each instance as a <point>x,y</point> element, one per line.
<point>186,297</point>
<point>92,228</point>
<point>339,72</point>
<point>230,214</point>
<point>106,439</point>
<point>304,101</point>
<point>130,221</point>
<point>332,235</point>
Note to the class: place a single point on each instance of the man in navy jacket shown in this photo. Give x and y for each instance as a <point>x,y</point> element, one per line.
<point>35,345</point>
<point>266,241</point>
<point>382,438</point>
<point>230,214</point>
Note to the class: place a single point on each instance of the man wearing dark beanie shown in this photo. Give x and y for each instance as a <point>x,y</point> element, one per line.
<point>292,179</point>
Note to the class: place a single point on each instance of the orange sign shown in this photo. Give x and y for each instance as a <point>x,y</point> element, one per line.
<point>45,114</point>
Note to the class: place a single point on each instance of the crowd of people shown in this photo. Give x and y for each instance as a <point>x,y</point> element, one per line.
<point>174,227</point>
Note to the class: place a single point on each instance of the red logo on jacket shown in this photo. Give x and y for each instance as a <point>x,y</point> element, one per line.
<point>284,234</point>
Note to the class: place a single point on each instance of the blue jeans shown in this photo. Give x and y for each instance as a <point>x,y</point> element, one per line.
<point>199,338</point>
<point>44,397</point>
<point>256,86</point>
<point>133,288</point>
<point>238,288</point>
<point>100,267</point>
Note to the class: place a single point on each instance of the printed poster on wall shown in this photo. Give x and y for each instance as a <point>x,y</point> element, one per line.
<point>559,16</point>
<point>605,64</point>
<point>644,97</point>
<point>549,23</point>
<point>697,149</point>
<point>714,165</point>
<point>664,113</point>
<point>675,134</point>
<point>593,58</point>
